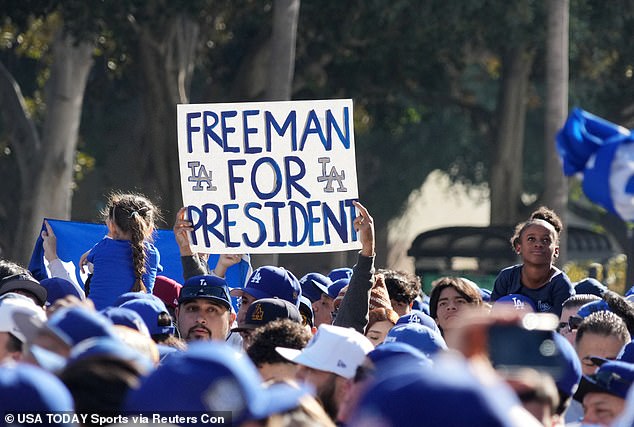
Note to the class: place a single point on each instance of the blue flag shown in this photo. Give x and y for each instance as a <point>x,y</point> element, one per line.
<point>75,238</point>
<point>603,154</point>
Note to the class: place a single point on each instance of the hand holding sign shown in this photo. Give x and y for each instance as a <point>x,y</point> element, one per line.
<point>364,224</point>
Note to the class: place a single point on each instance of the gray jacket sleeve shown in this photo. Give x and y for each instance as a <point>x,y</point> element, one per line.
<point>193,266</point>
<point>353,312</point>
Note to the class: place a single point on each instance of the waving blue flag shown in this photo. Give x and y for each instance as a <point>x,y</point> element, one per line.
<point>75,238</point>
<point>603,154</point>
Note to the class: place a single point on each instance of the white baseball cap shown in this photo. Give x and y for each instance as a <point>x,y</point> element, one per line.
<point>9,306</point>
<point>332,349</point>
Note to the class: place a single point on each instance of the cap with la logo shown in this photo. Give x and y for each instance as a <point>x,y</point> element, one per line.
<point>271,282</point>
<point>266,310</point>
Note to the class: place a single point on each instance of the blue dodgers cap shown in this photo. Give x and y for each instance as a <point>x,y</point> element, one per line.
<point>28,388</point>
<point>211,376</point>
<point>71,324</point>
<point>613,377</point>
<point>271,282</point>
<point>110,347</point>
<point>428,341</point>
<point>314,284</point>
<point>206,287</point>
<point>568,380</point>
<point>126,317</point>
<point>389,350</point>
<point>337,286</point>
<point>485,294</point>
<point>417,316</point>
<point>516,301</point>
<point>340,273</point>
<point>129,296</point>
<point>151,311</point>
<point>627,353</point>
<point>592,307</point>
<point>58,288</point>
<point>406,395</point>
<point>590,286</point>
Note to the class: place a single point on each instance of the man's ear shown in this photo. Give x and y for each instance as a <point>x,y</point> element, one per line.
<point>232,317</point>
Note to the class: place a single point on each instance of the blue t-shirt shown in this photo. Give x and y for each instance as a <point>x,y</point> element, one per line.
<point>548,298</point>
<point>113,272</point>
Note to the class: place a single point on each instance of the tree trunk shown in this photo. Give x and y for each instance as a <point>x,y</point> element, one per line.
<point>282,57</point>
<point>167,64</point>
<point>281,67</point>
<point>506,171</point>
<point>52,181</point>
<point>24,144</point>
<point>556,188</point>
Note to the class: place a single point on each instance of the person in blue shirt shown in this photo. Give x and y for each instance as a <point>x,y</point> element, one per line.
<point>125,260</point>
<point>536,241</point>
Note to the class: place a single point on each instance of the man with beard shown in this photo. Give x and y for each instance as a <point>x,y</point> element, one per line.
<point>204,309</point>
<point>328,361</point>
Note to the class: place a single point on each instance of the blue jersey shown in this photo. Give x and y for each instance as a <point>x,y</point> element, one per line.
<point>113,272</point>
<point>548,298</point>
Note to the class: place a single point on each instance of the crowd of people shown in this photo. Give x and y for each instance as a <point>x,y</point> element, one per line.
<point>356,346</point>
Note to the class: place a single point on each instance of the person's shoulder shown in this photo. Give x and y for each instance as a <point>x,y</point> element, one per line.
<point>560,277</point>
<point>510,270</point>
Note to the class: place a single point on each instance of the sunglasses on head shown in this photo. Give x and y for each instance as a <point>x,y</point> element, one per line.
<point>571,325</point>
<point>203,291</point>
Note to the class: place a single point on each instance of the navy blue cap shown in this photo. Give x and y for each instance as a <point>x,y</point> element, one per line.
<point>271,282</point>
<point>71,324</point>
<point>211,376</point>
<point>24,282</point>
<point>411,396</point>
<point>265,310</point>
<point>340,273</point>
<point>568,381</point>
<point>592,307</point>
<point>206,287</point>
<point>613,377</point>
<point>27,388</point>
<point>314,284</point>
<point>337,286</point>
<point>591,286</point>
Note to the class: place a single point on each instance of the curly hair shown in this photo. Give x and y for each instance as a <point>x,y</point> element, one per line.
<point>402,286</point>
<point>278,333</point>
<point>604,323</point>
<point>541,214</point>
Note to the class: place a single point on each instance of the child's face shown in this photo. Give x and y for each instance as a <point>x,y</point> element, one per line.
<point>538,244</point>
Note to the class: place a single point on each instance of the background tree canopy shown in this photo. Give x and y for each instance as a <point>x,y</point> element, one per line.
<point>433,83</point>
